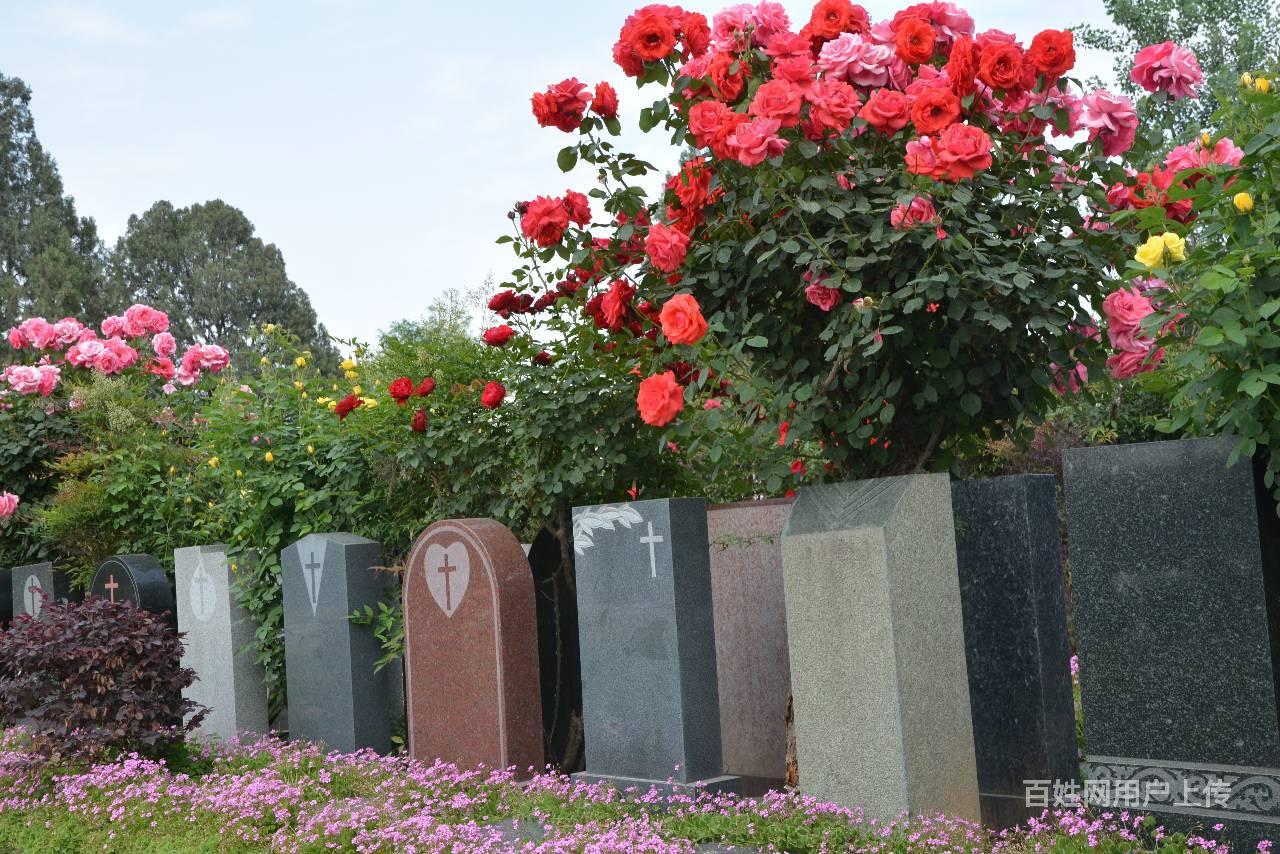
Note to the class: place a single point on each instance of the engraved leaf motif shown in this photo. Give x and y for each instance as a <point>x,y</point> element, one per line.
<point>602,518</point>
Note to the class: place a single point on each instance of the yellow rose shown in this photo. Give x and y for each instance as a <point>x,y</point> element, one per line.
<point>213,462</point>
<point>356,390</point>
<point>1151,253</point>
<point>1262,85</point>
<point>305,395</point>
<point>1243,202</point>
<point>173,470</point>
<point>1176,245</point>
<point>210,505</point>
<point>369,402</point>
<point>323,400</point>
<point>1246,79</point>
<point>264,361</point>
<point>301,361</point>
<point>299,385</point>
<point>348,365</point>
<point>1205,139</point>
<point>351,375</point>
<point>269,457</point>
<point>187,500</point>
<point>311,449</point>
<point>239,473</point>
<point>333,404</point>
<point>269,328</point>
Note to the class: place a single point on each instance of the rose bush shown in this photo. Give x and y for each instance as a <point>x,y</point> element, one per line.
<point>893,230</point>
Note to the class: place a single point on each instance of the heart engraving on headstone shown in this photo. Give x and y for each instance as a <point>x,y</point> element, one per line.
<point>448,570</point>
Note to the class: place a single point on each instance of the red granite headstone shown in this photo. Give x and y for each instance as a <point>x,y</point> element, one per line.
<point>471,648</point>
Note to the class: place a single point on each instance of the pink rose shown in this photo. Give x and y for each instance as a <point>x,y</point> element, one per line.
<point>187,377</point>
<point>16,339</point>
<point>853,58</point>
<point>832,107</point>
<point>950,22</point>
<point>146,319</point>
<point>8,505</point>
<point>38,333</point>
<point>797,70</point>
<point>919,210</point>
<point>49,376</point>
<point>757,140</point>
<point>213,358</point>
<point>24,379</point>
<point>1070,380</point>
<point>1129,364</point>
<point>1194,155</point>
<point>68,331</point>
<point>729,26</point>
<point>162,367</point>
<point>164,344</point>
<point>992,38</point>
<point>823,297</point>
<point>922,158</point>
<point>1110,118</point>
<point>666,247</point>
<point>113,326</point>
<point>1167,67</point>
<point>770,20</point>
<point>115,356</point>
<point>84,354</point>
<point>1125,310</point>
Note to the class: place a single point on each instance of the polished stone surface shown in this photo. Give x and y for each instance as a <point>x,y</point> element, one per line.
<point>647,636</point>
<point>1013,592</point>
<point>876,638</point>
<point>136,578</point>
<point>471,648</point>
<point>335,697</point>
<point>559,656</point>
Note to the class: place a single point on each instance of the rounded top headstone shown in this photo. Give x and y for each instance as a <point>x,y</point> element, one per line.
<point>138,579</point>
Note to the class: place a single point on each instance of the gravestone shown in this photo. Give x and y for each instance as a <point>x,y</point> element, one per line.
<point>219,646</point>
<point>6,597</point>
<point>32,583</point>
<point>1175,562</point>
<point>647,634</point>
<point>335,697</point>
<point>754,673</point>
<point>471,648</point>
<point>138,579</point>
<point>1013,592</point>
<point>876,636</point>
<point>559,657</point>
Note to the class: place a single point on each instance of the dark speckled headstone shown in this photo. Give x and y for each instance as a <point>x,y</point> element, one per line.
<point>1013,595</point>
<point>30,582</point>
<point>1176,587</point>
<point>334,695</point>
<point>650,701</point>
<point>139,579</point>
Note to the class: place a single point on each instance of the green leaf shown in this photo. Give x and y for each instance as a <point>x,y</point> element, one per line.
<point>970,403</point>
<point>757,341</point>
<point>567,158</point>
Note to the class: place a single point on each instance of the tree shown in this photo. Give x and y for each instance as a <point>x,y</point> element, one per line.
<point>50,258</point>
<point>1229,37</point>
<point>217,281</point>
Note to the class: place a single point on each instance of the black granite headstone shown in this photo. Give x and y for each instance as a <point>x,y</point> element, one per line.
<point>335,697</point>
<point>1013,594</point>
<point>6,597</point>
<point>31,584</point>
<point>139,579</point>
<point>647,634</point>
<point>1176,586</point>
<point>559,659</point>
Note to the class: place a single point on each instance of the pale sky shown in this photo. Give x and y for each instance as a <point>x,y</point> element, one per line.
<point>379,144</point>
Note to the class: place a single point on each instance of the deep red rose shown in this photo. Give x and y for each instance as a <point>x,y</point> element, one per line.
<point>830,18</point>
<point>578,207</point>
<point>887,110</point>
<point>502,303</point>
<point>934,110</point>
<point>425,387</point>
<point>345,406</point>
<point>419,422</point>
<point>543,358</point>
<point>650,35</point>
<point>962,65</point>
<point>1053,53</point>
<point>562,105</point>
<point>401,389</point>
<point>544,221</point>
<point>1001,67</point>
<point>915,41</point>
<point>492,396</point>
<point>605,101</point>
<point>498,336</point>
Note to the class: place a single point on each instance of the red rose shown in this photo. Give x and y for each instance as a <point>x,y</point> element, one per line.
<point>650,35</point>
<point>543,358</point>
<point>962,65</point>
<point>963,150</point>
<point>695,32</point>
<point>830,18</point>
<point>1053,53</point>
<point>493,395</point>
<point>419,422</point>
<point>778,99</point>
<point>915,41</point>
<point>502,303</point>
<point>712,123</point>
<point>626,59</point>
<point>692,187</point>
<point>934,110</point>
<point>561,106</point>
<point>1001,67</point>
<point>666,247</point>
<point>682,320</point>
<point>498,336</point>
<point>832,106</point>
<point>425,387</point>
<point>660,399</point>
<point>401,389</point>
<point>345,406</point>
<point>162,367</point>
<point>615,304</point>
<point>887,110</point>
<point>578,206</point>
<point>544,221</point>
<point>605,101</point>
<point>728,85</point>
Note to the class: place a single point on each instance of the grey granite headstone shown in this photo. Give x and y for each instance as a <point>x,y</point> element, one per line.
<point>1013,592</point>
<point>876,636</point>
<point>28,583</point>
<point>219,645</point>
<point>334,695</point>
<point>136,578</point>
<point>650,702</point>
<point>1175,561</point>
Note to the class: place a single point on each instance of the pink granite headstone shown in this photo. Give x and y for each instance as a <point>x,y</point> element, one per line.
<point>753,669</point>
<point>471,648</point>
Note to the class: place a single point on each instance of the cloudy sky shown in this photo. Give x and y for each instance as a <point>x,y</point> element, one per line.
<point>379,144</point>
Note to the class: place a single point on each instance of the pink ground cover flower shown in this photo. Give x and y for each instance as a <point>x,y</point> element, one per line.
<point>1167,67</point>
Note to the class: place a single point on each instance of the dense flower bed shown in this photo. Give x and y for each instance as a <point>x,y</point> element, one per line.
<point>292,797</point>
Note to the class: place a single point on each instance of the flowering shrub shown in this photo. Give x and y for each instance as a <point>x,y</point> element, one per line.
<point>1197,314</point>
<point>95,676</point>
<point>891,229</point>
